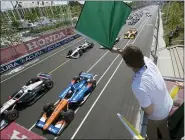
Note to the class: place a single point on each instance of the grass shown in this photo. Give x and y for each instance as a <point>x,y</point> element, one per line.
<point>167,29</point>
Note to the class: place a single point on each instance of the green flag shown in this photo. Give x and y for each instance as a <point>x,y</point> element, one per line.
<point>102,20</point>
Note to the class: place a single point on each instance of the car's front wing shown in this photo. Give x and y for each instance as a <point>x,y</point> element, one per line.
<point>53,128</point>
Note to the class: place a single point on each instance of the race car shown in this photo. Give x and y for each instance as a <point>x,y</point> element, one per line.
<point>130,17</point>
<point>148,15</point>
<point>56,117</point>
<point>132,22</point>
<point>80,50</point>
<point>131,34</point>
<point>29,93</point>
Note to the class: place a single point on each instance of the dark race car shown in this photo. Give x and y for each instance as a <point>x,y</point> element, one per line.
<point>132,22</point>
<point>27,95</point>
<point>80,50</point>
<point>56,117</point>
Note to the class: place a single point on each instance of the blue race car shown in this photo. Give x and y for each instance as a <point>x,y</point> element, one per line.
<point>79,88</point>
<point>56,117</point>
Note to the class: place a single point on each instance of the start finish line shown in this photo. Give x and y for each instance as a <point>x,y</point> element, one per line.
<point>16,131</point>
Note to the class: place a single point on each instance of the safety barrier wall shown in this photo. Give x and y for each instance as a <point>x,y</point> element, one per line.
<point>13,52</point>
<point>37,53</point>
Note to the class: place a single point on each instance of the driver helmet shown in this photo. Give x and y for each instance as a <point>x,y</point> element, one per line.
<point>69,92</point>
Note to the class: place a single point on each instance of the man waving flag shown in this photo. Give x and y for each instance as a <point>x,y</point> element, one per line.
<point>102,20</point>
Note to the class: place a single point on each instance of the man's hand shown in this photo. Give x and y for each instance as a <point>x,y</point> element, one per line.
<point>148,110</point>
<point>180,84</point>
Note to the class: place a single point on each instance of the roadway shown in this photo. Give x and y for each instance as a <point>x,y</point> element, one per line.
<point>97,118</point>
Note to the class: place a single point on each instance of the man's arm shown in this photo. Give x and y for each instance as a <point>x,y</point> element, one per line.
<point>144,100</point>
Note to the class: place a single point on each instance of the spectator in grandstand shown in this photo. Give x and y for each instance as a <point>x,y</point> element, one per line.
<point>170,37</point>
<point>177,30</point>
<point>149,88</point>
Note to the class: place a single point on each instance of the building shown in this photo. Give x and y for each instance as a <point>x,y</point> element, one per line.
<point>9,5</point>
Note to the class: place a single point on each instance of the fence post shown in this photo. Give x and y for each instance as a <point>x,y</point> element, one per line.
<point>155,53</point>
<point>144,124</point>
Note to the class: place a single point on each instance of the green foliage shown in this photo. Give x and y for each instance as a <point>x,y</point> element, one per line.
<point>173,13</point>
<point>51,27</point>
<point>15,23</point>
<point>31,16</point>
<point>74,3</point>
<point>174,18</point>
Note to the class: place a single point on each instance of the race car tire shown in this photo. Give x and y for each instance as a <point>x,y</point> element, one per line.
<point>11,115</point>
<point>70,52</point>
<point>80,52</point>
<point>49,85</point>
<point>33,80</point>
<point>132,36</point>
<point>76,79</point>
<point>92,45</point>
<point>93,84</point>
<point>69,115</point>
<point>48,108</point>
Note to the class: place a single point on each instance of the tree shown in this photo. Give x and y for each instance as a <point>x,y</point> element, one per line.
<point>74,3</point>
<point>15,23</point>
<point>174,15</point>
<point>31,16</point>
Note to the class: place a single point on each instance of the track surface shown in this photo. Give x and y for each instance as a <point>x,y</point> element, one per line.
<point>97,118</point>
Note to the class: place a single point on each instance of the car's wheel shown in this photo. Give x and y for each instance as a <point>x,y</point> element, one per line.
<point>33,80</point>
<point>132,36</point>
<point>49,85</point>
<point>80,52</point>
<point>70,52</point>
<point>11,115</point>
<point>48,107</point>
<point>69,115</point>
<point>76,79</point>
<point>93,84</point>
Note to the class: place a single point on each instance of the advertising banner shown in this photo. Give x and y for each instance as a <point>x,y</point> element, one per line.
<point>13,52</point>
<point>36,54</point>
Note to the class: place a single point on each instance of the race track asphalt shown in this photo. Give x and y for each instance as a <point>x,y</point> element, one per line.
<point>108,99</point>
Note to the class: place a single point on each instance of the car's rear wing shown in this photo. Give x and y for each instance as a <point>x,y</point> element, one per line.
<point>44,76</point>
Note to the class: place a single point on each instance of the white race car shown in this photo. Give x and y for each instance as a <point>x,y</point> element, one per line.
<point>27,95</point>
<point>80,50</point>
<point>148,15</point>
